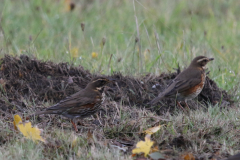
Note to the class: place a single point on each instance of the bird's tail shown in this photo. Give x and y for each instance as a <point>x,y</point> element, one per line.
<point>41,112</point>
<point>155,100</point>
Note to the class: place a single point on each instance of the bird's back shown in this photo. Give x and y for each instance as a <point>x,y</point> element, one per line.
<point>79,104</point>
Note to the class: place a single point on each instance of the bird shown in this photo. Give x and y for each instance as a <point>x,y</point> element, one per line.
<point>187,84</point>
<point>82,104</point>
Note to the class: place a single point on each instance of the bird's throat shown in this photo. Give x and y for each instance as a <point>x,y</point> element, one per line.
<point>100,89</point>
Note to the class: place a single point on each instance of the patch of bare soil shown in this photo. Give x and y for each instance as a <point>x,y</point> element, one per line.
<point>25,79</point>
<point>26,84</point>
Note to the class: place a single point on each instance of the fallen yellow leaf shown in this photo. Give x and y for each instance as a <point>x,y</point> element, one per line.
<point>30,132</point>
<point>152,130</point>
<point>17,119</point>
<point>27,130</point>
<point>143,146</point>
<point>94,55</point>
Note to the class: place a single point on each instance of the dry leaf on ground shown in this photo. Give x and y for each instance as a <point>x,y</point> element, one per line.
<point>152,130</point>
<point>27,130</point>
<point>17,120</point>
<point>188,156</point>
<point>143,146</point>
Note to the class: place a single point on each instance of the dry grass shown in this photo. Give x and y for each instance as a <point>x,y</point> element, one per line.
<point>205,134</point>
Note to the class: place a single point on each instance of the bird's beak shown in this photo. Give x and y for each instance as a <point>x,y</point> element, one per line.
<point>210,59</point>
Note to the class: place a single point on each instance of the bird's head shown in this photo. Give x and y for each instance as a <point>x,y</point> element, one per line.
<point>99,82</point>
<point>200,61</point>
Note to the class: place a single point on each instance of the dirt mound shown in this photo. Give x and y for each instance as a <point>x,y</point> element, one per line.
<point>24,79</point>
<point>139,91</point>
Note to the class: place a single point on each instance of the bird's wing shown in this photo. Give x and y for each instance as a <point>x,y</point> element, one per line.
<point>181,86</point>
<point>181,83</point>
<point>76,100</point>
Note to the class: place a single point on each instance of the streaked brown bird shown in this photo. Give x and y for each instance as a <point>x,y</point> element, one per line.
<point>81,104</point>
<point>188,84</point>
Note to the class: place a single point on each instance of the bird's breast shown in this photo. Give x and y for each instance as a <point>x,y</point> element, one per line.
<point>103,97</point>
<point>196,90</point>
<point>100,98</point>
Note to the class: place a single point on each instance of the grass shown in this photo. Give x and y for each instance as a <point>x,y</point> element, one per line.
<point>48,31</point>
<point>203,132</point>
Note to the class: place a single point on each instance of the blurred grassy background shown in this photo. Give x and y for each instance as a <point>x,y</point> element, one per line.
<point>50,31</point>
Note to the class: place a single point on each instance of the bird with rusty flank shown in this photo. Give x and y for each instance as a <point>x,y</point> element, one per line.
<point>81,104</point>
<point>188,84</point>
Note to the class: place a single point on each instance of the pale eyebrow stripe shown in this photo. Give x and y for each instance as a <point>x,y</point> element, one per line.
<point>98,80</point>
<point>202,59</point>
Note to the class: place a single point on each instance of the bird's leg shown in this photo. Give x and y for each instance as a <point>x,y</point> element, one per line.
<point>186,105</point>
<point>180,106</point>
<point>74,125</point>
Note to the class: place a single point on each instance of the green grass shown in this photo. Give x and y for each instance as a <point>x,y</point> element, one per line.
<point>185,29</point>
